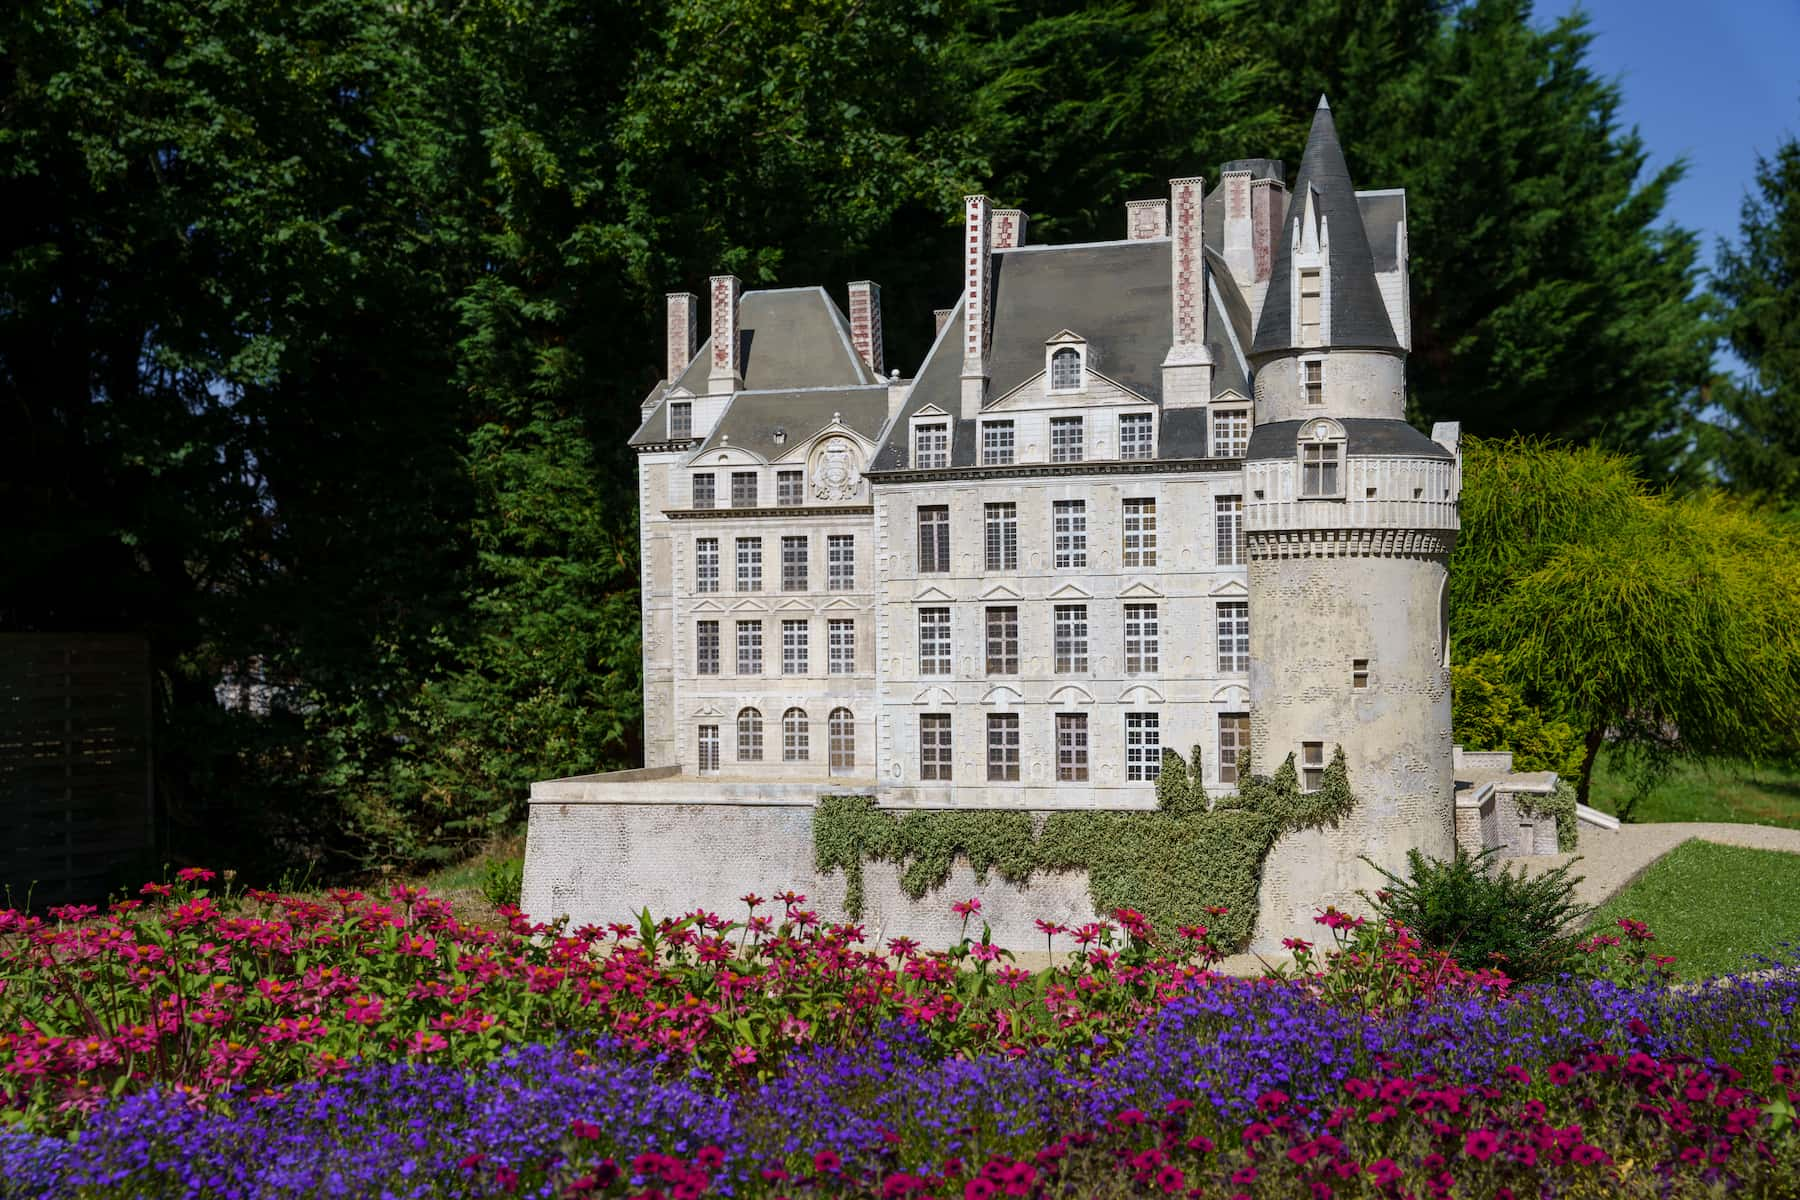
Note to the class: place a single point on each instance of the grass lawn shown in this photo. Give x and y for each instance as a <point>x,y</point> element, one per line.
<point>1715,790</point>
<point>1712,906</point>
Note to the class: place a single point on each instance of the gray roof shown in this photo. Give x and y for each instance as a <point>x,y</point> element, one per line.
<point>1382,215</point>
<point>751,419</point>
<point>1362,435</point>
<point>1359,317</point>
<point>791,338</point>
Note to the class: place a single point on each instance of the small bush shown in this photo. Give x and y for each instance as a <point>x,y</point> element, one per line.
<point>1527,925</point>
<point>504,881</point>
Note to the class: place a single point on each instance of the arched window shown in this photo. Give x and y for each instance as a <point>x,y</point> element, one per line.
<point>841,727</point>
<point>749,735</point>
<point>794,736</point>
<point>1065,370</point>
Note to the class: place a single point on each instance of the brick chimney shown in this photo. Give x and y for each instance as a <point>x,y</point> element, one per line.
<point>865,324</point>
<point>977,284</point>
<point>1187,371</point>
<point>1268,205</point>
<point>1146,219</point>
<point>1009,228</point>
<point>684,331</point>
<point>727,371</point>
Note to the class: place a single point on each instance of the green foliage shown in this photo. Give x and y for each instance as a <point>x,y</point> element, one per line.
<point>1714,908</point>
<point>1488,712</point>
<point>1178,791</point>
<point>1176,865</point>
<point>503,881</point>
<point>1559,805</point>
<point>1524,924</point>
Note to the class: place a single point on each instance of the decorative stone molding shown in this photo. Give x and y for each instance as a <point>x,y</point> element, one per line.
<point>1351,543</point>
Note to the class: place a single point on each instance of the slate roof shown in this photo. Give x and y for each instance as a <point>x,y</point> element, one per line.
<point>791,338</point>
<point>1359,318</point>
<point>1362,435</point>
<point>751,419</point>
<point>1382,215</point>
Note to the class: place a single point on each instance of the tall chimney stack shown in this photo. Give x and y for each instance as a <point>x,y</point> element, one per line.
<point>1187,371</point>
<point>684,329</point>
<point>1268,205</point>
<point>977,284</point>
<point>1146,219</point>
<point>1009,228</point>
<point>865,324</point>
<point>727,372</point>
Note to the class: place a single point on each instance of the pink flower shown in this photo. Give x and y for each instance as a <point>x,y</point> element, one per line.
<point>195,875</point>
<point>967,908</point>
<point>1480,1144</point>
<point>426,1042</point>
<point>743,1056</point>
<point>827,1162</point>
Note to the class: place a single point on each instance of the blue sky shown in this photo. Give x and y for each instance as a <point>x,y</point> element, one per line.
<point>1713,81</point>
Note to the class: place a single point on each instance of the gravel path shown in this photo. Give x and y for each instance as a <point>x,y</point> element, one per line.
<point>1610,860</point>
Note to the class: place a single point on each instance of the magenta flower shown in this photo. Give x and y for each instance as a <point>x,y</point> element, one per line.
<point>1480,1144</point>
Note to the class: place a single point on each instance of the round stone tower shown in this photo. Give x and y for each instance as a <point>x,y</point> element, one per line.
<point>1350,516</point>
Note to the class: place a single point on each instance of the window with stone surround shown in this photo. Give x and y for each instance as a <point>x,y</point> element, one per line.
<point>681,419</point>
<point>706,564</point>
<point>1136,436</point>
<point>1142,640</point>
<point>1230,432</point>
<point>1003,641</point>
<point>1234,739</point>
<point>796,647</point>
<point>1359,674</point>
<point>743,489</point>
<point>1068,439</point>
<point>840,733</point>
<point>1228,531</point>
<point>790,488</point>
<point>1065,370</point>
<point>1311,307</point>
<point>934,539</point>
<point>749,735</point>
<point>703,484</point>
<point>1071,748</point>
<point>996,443</point>
<point>1003,747</point>
<point>934,747</point>
<point>931,445</point>
<point>1071,638</point>
<point>1068,528</point>
<point>934,641</point>
<point>1312,381</point>
<point>840,562</point>
<point>708,749</point>
<point>749,564</point>
<point>1143,747</point>
<point>796,736</point>
<point>1320,476</point>
<point>1138,534</point>
<point>749,648</point>
<point>793,564</point>
<point>1002,536</point>
<point>840,646</point>
<point>1233,618</point>
<point>706,647</point>
<point>1312,766</point>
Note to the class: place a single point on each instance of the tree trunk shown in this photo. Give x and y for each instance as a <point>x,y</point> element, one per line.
<point>1595,739</point>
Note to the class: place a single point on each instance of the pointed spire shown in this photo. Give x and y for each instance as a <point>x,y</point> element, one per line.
<point>1358,317</point>
<point>1324,103</point>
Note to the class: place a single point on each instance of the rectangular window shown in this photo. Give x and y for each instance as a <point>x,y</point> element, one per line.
<point>749,647</point>
<point>840,646</point>
<point>1002,641</point>
<point>934,539</point>
<point>1138,547</point>
<point>709,749</point>
<point>1068,526</point>
<point>703,490</point>
<point>706,565</point>
<point>934,746</point>
<point>1359,674</point>
<point>996,443</point>
<point>931,446</point>
<point>840,561</point>
<point>1310,304</point>
<point>1228,530</point>
<point>1068,439</point>
<point>1313,379</point>
<point>749,564</point>
<point>1234,635</point>
<point>1319,469</point>
<point>1234,740</point>
<point>743,489</point>
<point>796,647</point>
<point>1142,640</point>
<point>706,648</point>
<point>1071,747</point>
<point>1002,542</point>
<point>1143,747</point>
<point>1003,747</point>
<point>681,419</point>
<point>790,488</point>
<point>1312,766</point>
<point>1135,435</point>
<point>1231,433</point>
<point>793,564</point>
<point>1071,638</point>
<point>934,641</point>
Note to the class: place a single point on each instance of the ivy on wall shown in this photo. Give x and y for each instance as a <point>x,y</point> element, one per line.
<point>1170,865</point>
<point>1560,804</point>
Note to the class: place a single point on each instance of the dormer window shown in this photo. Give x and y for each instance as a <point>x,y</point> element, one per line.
<point>931,445</point>
<point>1321,461</point>
<point>681,419</point>
<point>1311,303</point>
<point>1065,370</point>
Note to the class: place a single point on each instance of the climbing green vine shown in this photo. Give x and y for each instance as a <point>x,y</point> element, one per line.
<point>1172,864</point>
<point>1560,804</point>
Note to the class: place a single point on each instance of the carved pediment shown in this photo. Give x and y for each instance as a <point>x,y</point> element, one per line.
<point>937,697</point>
<point>933,594</point>
<point>1002,695</point>
<point>840,602</point>
<point>708,606</point>
<point>1231,588</point>
<point>1071,591</point>
<point>1140,590</point>
<point>1140,693</point>
<point>1002,591</point>
<point>1235,694</point>
<point>1071,693</point>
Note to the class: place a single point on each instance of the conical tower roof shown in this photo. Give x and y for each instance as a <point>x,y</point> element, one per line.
<point>1359,317</point>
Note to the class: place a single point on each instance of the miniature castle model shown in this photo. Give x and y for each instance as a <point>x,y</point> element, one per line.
<point>1157,492</point>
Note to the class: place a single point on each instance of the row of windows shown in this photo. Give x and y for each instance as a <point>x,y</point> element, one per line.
<point>1069,534</point>
<point>1143,747</point>
<point>796,647</point>
<point>796,739</point>
<point>790,489</point>
<point>1069,442</point>
<point>796,567</point>
<point>1070,641</point>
